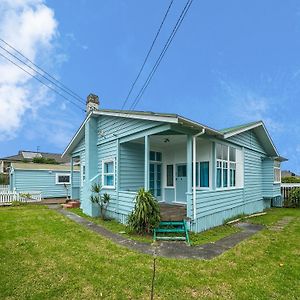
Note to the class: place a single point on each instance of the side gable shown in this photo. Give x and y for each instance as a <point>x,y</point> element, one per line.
<point>254,136</point>
<point>249,140</point>
<point>80,146</point>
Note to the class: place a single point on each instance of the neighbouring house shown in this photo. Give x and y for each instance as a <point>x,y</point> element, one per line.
<point>53,181</point>
<point>29,156</point>
<point>285,173</point>
<point>214,174</point>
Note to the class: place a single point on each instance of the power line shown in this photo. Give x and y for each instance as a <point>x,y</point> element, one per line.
<point>74,95</point>
<point>35,77</point>
<point>162,54</point>
<point>167,44</point>
<point>148,54</point>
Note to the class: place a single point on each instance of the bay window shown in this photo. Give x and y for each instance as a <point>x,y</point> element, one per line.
<point>226,166</point>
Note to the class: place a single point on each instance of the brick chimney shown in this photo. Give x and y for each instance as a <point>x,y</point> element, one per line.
<point>92,102</point>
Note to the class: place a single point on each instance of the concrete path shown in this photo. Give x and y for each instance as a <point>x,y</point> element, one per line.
<point>169,249</point>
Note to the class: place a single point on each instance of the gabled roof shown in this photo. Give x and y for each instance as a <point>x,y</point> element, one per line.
<point>142,115</point>
<point>40,167</point>
<point>261,132</point>
<point>258,127</point>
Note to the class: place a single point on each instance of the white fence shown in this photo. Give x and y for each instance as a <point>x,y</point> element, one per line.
<point>7,197</point>
<point>286,188</point>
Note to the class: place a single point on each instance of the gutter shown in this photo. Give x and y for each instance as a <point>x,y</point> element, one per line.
<point>194,171</point>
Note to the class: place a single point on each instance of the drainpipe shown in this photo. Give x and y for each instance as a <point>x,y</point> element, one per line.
<point>194,171</point>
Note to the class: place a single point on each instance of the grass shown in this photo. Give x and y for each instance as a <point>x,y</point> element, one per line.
<point>44,255</point>
<point>208,236</point>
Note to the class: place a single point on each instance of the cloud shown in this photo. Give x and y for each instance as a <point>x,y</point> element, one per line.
<point>246,105</point>
<point>30,26</point>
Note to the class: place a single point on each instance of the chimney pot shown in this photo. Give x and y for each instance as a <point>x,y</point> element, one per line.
<point>92,102</point>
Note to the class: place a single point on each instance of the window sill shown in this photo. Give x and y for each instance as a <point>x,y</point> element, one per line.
<point>62,183</point>
<point>229,189</point>
<point>108,187</point>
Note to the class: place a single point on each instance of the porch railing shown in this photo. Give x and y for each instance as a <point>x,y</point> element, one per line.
<point>4,188</point>
<point>286,188</point>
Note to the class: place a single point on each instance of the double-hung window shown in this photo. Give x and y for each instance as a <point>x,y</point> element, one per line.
<point>277,172</point>
<point>108,173</point>
<point>225,166</point>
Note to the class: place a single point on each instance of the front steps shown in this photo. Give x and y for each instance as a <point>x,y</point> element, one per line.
<point>178,230</point>
<point>71,204</point>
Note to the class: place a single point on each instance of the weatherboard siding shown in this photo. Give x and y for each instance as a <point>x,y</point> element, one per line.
<point>42,181</point>
<point>216,206</point>
<point>249,140</point>
<point>132,161</point>
<point>110,128</point>
<point>80,147</point>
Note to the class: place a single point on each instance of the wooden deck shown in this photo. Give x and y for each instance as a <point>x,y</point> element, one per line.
<point>172,212</point>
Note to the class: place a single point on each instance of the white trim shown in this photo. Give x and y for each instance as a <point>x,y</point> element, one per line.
<point>62,174</point>
<point>108,160</point>
<point>133,115</point>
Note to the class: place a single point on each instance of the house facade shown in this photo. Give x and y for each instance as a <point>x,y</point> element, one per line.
<point>215,174</point>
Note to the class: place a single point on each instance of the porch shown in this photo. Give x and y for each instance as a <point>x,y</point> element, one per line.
<point>172,212</point>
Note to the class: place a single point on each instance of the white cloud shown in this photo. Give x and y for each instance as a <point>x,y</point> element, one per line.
<point>29,26</point>
<point>247,106</point>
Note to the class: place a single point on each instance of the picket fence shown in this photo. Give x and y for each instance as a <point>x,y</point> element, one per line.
<point>286,188</point>
<point>7,197</point>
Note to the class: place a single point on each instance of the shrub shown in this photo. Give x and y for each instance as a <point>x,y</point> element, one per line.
<point>293,199</point>
<point>101,200</point>
<point>146,215</point>
<point>290,179</point>
<point>43,160</point>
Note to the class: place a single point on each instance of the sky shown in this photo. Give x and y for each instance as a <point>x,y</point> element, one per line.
<point>231,62</point>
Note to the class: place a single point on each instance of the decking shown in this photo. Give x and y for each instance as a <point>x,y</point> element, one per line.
<point>172,212</point>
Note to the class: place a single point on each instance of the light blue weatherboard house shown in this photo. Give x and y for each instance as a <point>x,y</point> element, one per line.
<point>216,174</point>
<point>53,181</point>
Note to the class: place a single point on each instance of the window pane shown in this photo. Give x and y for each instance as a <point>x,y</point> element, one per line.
<point>197,174</point>
<point>232,154</point>
<point>219,151</point>
<point>225,152</point>
<point>225,174</point>
<point>170,175</point>
<point>63,178</point>
<point>109,180</point>
<point>204,174</point>
<point>109,167</point>
<point>219,177</point>
<point>181,171</point>
<point>232,174</point>
<point>152,155</point>
<point>158,156</point>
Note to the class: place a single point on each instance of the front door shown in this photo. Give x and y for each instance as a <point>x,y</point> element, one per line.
<point>181,183</point>
<point>155,180</point>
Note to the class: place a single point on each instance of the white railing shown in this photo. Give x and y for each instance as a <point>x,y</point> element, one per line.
<point>286,188</point>
<point>7,197</point>
<point>4,188</point>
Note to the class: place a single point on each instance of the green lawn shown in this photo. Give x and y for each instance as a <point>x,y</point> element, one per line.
<point>45,255</point>
<point>208,236</point>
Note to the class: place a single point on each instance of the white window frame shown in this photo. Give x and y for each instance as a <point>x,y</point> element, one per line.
<point>104,161</point>
<point>227,162</point>
<point>62,174</point>
<point>82,174</point>
<point>277,168</point>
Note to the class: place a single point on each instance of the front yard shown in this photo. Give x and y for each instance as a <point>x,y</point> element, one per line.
<point>45,255</point>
